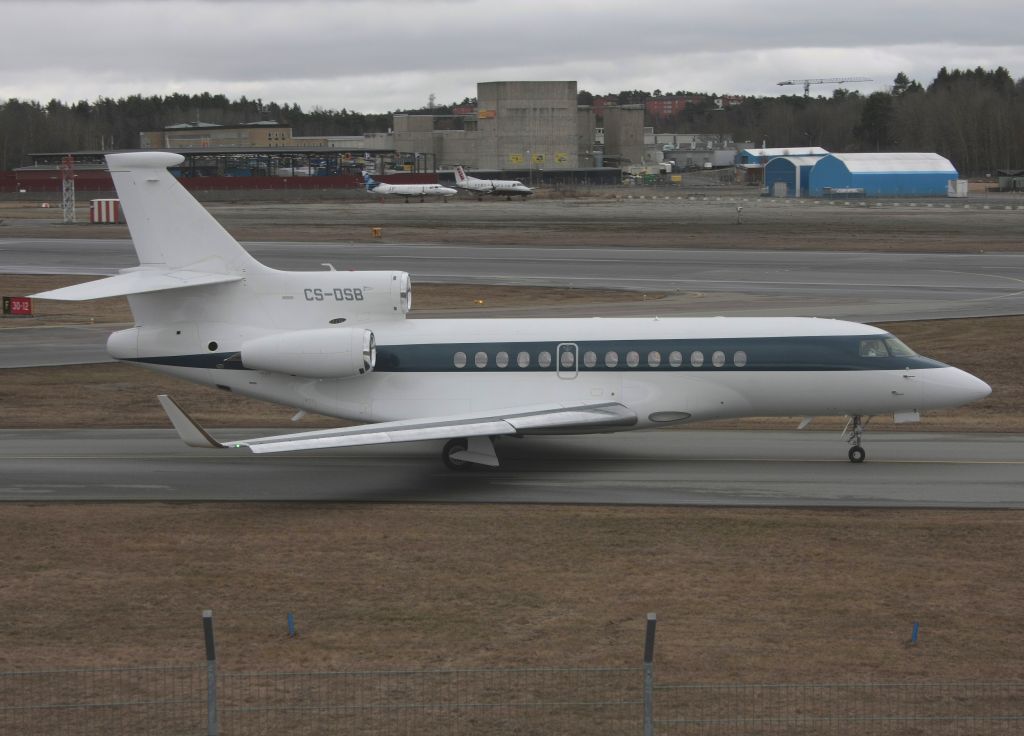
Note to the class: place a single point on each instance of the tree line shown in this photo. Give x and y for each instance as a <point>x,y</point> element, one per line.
<point>973,117</point>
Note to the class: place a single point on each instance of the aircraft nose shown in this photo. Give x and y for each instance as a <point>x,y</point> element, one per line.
<point>950,387</point>
<point>973,388</point>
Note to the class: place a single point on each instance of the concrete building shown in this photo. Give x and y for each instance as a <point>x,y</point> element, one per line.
<point>516,125</point>
<point>531,123</point>
<point>624,135</point>
<point>882,174</point>
<point>587,151</point>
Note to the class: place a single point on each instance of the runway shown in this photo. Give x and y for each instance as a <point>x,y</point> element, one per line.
<point>670,467</point>
<point>857,286</point>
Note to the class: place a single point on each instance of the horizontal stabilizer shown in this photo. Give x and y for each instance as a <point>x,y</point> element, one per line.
<point>136,282</point>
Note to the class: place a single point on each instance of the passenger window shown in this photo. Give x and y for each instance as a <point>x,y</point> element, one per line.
<point>590,359</point>
<point>696,359</point>
<point>459,359</point>
<point>718,359</point>
<point>654,359</point>
<point>739,358</point>
<point>501,359</point>
<point>873,348</point>
<point>632,359</point>
<point>611,359</point>
<point>675,359</point>
<point>480,359</point>
<point>544,359</point>
<point>566,359</point>
<point>523,359</point>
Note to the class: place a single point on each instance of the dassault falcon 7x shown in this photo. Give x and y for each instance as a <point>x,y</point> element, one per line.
<point>495,187</point>
<point>339,343</point>
<point>407,190</point>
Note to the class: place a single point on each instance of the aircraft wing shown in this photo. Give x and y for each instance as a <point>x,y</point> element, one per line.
<point>539,419</point>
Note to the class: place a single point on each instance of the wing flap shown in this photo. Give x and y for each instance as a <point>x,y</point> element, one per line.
<point>370,435</point>
<point>535,419</point>
<point>136,282</point>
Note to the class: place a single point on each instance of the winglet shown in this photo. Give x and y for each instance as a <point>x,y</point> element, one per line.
<point>191,433</point>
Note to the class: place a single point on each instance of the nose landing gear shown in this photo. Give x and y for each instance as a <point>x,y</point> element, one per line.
<point>852,434</point>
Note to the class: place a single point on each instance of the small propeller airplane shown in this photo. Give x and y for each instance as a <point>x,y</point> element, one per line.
<point>496,187</point>
<point>339,343</point>
<point>407,190</point>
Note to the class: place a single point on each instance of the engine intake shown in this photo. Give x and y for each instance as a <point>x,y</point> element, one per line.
<point>332,352</point>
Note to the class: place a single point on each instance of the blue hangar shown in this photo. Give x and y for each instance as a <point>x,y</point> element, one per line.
<point>789,176</point>
<point>882,174</point>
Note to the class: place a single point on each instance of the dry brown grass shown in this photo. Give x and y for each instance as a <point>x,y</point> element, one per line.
<point>742,595</point>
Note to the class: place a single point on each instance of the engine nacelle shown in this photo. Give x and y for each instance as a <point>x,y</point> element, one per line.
<point>331,352</point>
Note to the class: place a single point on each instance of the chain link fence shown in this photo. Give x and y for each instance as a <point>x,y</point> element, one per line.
<point>168,701</point>
<point>424,703</point>
<point>204,699</point>
<point>105,702</point>
<point>890,709</point>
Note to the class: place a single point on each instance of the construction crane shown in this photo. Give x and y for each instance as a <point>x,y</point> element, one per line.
<point>830,80</point>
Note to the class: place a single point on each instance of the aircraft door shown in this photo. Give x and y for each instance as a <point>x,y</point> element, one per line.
<point>568,360</point>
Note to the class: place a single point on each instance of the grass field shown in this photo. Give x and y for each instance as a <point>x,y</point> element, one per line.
<point>742,595</point>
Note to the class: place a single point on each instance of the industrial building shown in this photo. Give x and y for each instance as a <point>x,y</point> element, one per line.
<point>882,175</point>
<point>529,130</point>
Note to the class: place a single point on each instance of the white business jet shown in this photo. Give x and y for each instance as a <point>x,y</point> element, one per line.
<point>407,190</point>
<point>496,187</point>
<point>339,343</point>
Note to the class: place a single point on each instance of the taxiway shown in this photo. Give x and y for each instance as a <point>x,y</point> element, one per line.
<point>668,467</point>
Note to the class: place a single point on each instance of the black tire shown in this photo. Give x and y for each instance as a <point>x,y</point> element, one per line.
<point>857,454</point>
<point>456,445</point>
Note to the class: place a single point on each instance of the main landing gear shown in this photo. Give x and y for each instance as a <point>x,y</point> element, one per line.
<point>462,453</point>
<point>852,434</point>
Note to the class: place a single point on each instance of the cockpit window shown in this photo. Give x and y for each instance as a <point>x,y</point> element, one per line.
<point>873,348</point>
<point>898,349</point>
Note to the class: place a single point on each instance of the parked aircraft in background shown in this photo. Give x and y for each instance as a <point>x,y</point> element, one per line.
<point>339,343</point>
<point>496,187</point>
<point>407,190</point>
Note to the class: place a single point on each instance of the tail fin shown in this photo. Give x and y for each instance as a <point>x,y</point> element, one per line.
<point>460,175</point>
<point>169,228</point>
<point>371,183</point>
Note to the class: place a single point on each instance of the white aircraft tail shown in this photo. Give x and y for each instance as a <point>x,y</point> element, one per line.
<point>169,228</point>
<point>460,175</point>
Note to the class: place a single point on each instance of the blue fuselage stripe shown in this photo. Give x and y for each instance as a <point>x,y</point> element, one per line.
<point>829,353</point>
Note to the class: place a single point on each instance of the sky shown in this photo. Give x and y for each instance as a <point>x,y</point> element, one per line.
<point>383,55</point>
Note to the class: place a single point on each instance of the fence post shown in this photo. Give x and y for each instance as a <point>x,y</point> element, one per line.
<point>652,620</point>
<point>211,675</point>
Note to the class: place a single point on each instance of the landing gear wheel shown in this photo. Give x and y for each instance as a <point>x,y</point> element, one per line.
<point>857,454</point>
<point>450,447</point>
